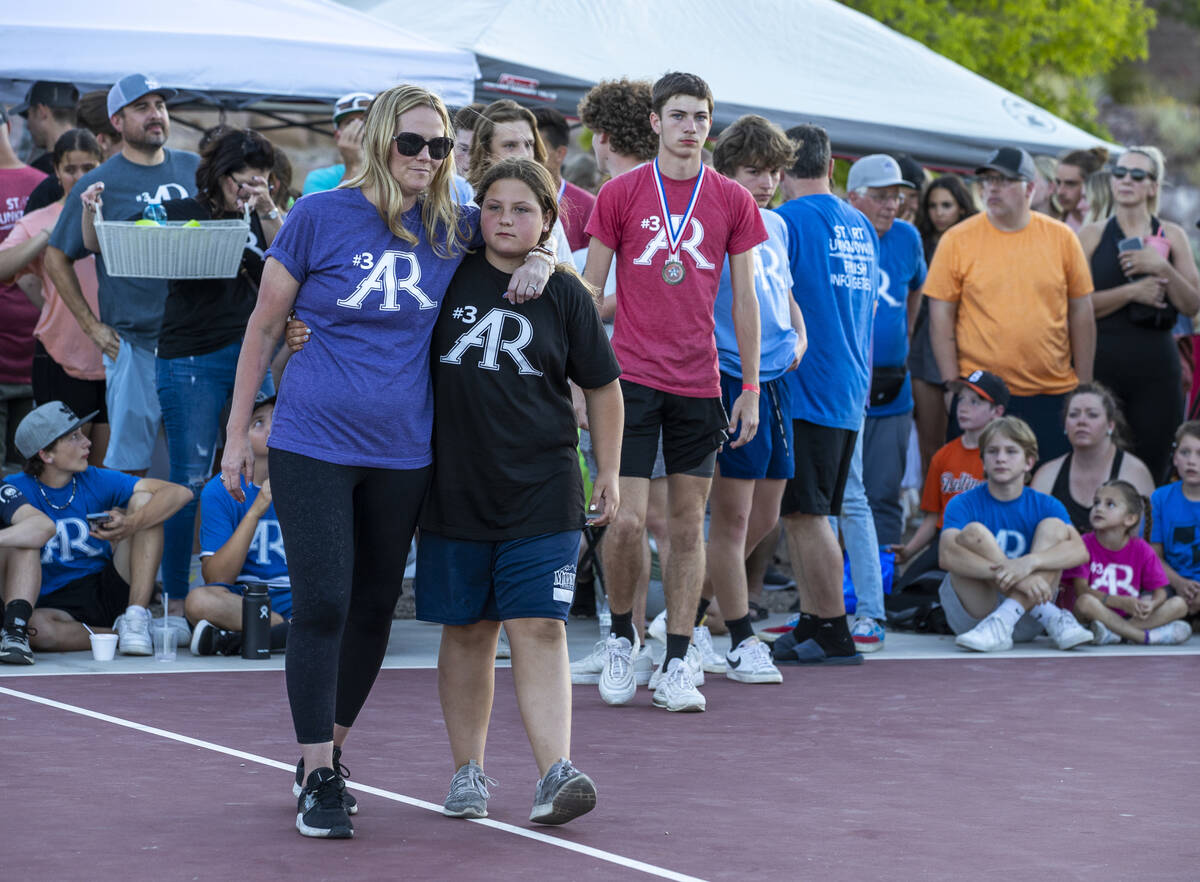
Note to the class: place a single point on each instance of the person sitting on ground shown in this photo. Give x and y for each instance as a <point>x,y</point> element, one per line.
<point>1004,547</point>
<point>954,469</point>
<point>99,567</point>
<point>1095,427</point>
<point>23,532</point>
<point>240,544</point>
<point>1175,521</point>
<point>1122,592</point>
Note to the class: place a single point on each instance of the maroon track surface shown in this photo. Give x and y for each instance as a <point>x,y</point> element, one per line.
<point>987,769</point>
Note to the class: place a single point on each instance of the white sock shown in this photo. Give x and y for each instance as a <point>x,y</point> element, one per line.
<point>1046,613</point>
<point>1009,612</point>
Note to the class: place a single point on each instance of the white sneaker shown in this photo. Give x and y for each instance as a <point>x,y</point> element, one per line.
<point>617,682</point>
<point>676,691</point>
<point>1170,634</point>
<point>1066,632</point>
<point>657,628</point>
<point>694,663</point>
<point>1102,635</point>
<point>586,671</point>
<point>133,632</point>
<point>990,635</point>
<point>750,662</point>
<point>711,661</point>
<point>503,650</point>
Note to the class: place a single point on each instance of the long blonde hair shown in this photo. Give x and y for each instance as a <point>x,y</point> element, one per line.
<point>445,227</point>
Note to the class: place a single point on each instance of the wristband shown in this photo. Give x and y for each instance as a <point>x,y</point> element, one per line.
<point>750,387</point>
<point>545,254</point>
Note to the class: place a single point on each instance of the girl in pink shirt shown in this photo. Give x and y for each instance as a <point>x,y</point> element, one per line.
<point>1122,591</point>
<point>66,363</point>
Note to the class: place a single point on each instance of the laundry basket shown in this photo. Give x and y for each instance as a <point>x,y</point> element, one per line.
<point>172,249</point>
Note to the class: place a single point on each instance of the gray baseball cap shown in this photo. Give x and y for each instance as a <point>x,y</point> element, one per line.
<point>129,89</point>
<point>876,170</point>
<point>46,424</point>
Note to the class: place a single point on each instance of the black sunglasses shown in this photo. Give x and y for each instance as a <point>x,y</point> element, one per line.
<point>410,144</point>
<point>1138,174</point>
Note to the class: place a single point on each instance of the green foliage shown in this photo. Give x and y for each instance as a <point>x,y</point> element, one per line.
<point>1187,11</point>
<point>1047,51</point>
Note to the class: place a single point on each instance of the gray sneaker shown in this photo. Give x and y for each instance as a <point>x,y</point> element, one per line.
<point>468,794</point>
<point>14,644</point>
<point>564,793</point>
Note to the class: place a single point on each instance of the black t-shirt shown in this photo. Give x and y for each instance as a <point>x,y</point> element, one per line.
<point>204,315</point>
<point>505,464</point>
<point>46,193</point>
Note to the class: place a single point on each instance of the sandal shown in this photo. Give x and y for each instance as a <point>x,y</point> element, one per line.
<point>758,612</point>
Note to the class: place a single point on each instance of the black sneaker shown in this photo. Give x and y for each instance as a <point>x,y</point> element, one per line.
<point>564,793</point>
<point>347,797</point>
<point>208,639</point>
<point>14,644</point>
<point>319,809</point>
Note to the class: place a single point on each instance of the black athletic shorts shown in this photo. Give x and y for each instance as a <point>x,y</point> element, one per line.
<point>823,457</point>
<point>52,383</point>
<point>96,599</point>
<point>693,430</point>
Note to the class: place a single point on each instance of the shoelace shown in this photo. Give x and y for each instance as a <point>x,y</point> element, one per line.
<point>621,657</point>
<point>338,767</point>
<point>328,793</point>
<point>473,780</point>
<point>21,633</point>
<point>560,771</point>
<point>759,655</point>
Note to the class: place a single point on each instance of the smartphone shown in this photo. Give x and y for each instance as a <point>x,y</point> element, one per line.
<point>591,515</point>
<point>98,518</point>
<point>1133,243</point>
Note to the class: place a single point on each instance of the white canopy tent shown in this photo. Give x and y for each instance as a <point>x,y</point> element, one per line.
<point>231,52</point>
<point>791,60</point>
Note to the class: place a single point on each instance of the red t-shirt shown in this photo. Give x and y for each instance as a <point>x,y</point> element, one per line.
<point>575,207</point>
<point>953,469</point>
<point>663,334</point>
<point>17,315</point>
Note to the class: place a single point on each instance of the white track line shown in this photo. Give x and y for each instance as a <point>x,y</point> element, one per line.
<point>536,836</point>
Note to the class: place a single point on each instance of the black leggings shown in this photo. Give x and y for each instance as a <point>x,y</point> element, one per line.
<point>346,531</point>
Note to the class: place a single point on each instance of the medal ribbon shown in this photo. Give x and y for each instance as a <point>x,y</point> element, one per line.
<point>675,236</point>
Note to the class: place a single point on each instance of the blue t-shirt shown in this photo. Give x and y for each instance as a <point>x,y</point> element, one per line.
<point>833,251</point>
<point>773,285</point>
<point>359,392</point>
<point>72,553</point>
<point>1013,523</point>
<point>1175,523</point>
<point>901,270</point>
<point>220,515</point>
<point>132,307</point>
<point>11,499</point>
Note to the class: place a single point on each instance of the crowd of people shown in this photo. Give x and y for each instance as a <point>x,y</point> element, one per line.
<point>731,350</point>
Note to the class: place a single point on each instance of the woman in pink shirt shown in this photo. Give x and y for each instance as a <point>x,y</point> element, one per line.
<point>66,363</point>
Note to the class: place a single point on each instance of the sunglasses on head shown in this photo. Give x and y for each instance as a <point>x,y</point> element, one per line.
<point>410,144</point>
<point>1138,174</point>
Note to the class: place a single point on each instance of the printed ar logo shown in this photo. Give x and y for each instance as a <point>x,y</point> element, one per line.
<point>1011,542</point>
<point>488,335</point>
<point>691,244</point>
<point>383,277</point>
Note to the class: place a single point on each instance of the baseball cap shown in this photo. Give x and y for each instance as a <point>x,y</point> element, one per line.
<point>987,385</point>
<point>911,170</point>
<point>351,102</point>
<point>129,89</point>
<point>876,170</point>
<point>1012,162</point>
<point>48,93</point>
<point>261,398</point>
<point>44,425</point>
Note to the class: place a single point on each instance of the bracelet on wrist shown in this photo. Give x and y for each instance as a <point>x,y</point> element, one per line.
<point>750,387</point>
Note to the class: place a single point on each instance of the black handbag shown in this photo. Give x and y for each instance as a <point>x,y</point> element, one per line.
<point>886,383</point>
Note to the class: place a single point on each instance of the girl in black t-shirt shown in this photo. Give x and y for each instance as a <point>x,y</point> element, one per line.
<point>501,526</point>
<point>203,324</point>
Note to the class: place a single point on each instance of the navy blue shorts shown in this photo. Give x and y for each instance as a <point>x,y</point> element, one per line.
<point>769,453</point>
<point>461,582</point>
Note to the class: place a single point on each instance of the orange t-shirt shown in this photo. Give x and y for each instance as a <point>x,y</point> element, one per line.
<point>1012,291</point>
<point>954,469</point>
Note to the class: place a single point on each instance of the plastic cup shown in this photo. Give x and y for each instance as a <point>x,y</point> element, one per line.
<point>104,646</point>
<point>164,644</point>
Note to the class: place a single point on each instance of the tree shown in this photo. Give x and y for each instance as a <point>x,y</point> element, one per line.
<point>1051,52</point>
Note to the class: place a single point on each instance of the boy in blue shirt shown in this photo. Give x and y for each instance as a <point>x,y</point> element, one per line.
<point>240,543</point>
<point>1175,518</point>
<point>99,566</point>
<point>1004,547</point>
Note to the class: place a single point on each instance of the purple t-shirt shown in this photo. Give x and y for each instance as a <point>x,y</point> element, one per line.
<point>1126,573</point>
<point>359,392</point>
